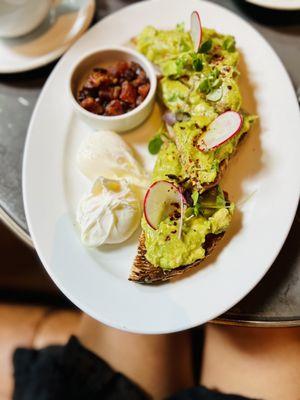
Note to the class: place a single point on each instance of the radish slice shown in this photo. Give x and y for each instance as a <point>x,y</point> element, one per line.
<point>180,225</point>
<point>223,128</point>
<point>169,118</point>
<point>171,132</point>
<point>216,95</point>
<point>161,200</point>
<point>196,30</point>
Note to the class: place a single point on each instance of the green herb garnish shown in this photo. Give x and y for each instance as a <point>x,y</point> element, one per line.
<point>171,176</point>
<point>220,198</point>
<point>206,46</point>
<point>214,74</point>
<point>205,86</point>
<point>189,212</point>
<point>229,44</point>
<point>197,64</point>
<point>180,27</point>
<point>195,197</point>
<point>197,209</point>
<point>210,83</point>
<point>217,83</point>
<point>155,144</point>
<point>214,206</point>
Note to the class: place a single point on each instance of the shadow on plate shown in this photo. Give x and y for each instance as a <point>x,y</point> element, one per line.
<point>235,227</point>
<point>277,294</point>
<point>247,162</point>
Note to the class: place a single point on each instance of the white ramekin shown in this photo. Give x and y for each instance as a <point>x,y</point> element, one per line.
<point>105,55</point>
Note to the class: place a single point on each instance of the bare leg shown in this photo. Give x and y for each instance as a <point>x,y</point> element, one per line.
<point>159,364</point>
<point>254,362</point>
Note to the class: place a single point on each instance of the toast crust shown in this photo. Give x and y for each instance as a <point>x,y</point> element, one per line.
<point>144,272</point>
<point>222,168</point>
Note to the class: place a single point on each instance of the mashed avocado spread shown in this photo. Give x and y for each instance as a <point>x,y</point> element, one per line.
<point>195,87</point>
<point>201,85</point>
<point>199,166</point>
<point>207,213</point>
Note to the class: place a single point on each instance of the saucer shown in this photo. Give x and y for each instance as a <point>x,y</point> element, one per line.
<point>65,23</point>
<point>277,4</point>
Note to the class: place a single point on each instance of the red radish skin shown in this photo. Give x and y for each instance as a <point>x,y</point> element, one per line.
<point>196,30</point>
<point>214,137</point>
<point>147,197</point>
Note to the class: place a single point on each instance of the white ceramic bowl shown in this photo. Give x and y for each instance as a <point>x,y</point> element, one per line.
<point>105,56</point>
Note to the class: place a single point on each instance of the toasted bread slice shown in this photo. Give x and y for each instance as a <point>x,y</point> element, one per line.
<point>145,272</point>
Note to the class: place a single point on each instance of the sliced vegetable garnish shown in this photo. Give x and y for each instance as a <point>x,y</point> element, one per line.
<point>223,128</point>
<point>196,30</point>
<point>180,223</point>
<point>170,130</point>
<point>215,95</point>
<point>170,118</point>
<point>163,199</point>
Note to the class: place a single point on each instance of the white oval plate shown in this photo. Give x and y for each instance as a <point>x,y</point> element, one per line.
<point>277,4</point>
<point>265,172</point>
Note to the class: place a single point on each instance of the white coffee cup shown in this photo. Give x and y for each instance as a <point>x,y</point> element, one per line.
<point>19,17</point>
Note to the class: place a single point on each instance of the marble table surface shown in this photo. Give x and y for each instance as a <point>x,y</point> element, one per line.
<point>275,300</point>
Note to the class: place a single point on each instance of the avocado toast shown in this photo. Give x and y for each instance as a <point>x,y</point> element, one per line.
<point>185,235</point>
<point>196,87</point>
<point>186,211</point>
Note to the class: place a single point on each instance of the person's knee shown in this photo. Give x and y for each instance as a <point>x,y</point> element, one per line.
<point>254,339</point>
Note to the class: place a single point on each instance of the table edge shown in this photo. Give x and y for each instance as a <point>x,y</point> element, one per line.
<point>252,323</point>
<point>15,228</point>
